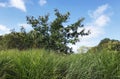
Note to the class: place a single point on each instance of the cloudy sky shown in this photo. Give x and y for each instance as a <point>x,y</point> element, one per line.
<point>101,16</point>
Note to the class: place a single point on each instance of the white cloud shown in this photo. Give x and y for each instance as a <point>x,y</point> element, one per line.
<point>24,25</point>
<point>100,10</point>
<point>4,30</point>
<point>2,4</point>
<point>42,2</point>
<point>99,19</point>
<point>102,20</point>
<point>19,4</point>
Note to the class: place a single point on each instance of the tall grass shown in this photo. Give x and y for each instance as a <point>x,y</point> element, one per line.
<point>41,64</point>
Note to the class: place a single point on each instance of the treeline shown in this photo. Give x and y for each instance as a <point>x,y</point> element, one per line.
<point>17,40</point>
<point>106,44</point>
<point>45,34</point>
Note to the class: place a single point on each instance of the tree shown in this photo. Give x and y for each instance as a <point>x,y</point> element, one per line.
<point>105,40</point>
<point>54,35</point>
<point>83,49</point>
<point>107,44</point>
<point>15,40</point>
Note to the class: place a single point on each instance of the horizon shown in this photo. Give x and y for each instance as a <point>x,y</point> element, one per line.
<point>101,18</point>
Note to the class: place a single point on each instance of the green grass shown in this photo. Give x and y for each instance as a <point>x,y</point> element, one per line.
<point>41,64</point>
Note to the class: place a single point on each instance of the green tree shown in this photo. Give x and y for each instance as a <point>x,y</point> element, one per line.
<point>83,49</point>
<point>15,40</point>
<point>107,44</point>
<point>54,35</point>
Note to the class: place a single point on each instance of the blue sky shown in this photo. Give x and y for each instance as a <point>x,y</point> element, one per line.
<point>101,16</point>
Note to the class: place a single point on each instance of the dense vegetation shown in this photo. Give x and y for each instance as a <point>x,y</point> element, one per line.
<point>29,55</point>
<point>107,44</point>
<point>40,64</point>
<point>50,35</point>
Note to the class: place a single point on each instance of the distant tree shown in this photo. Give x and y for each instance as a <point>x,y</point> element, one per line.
<point>54,35</point>
<point>105,40</point>
<point>15,40</point>
<point>83,49</point>
<point>107,44</point>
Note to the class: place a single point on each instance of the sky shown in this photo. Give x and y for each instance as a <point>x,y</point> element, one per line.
<point>101,16</point>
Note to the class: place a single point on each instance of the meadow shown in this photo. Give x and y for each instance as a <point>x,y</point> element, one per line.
<point>42,64</point>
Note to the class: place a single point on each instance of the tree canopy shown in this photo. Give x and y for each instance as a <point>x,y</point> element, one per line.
<point>51,35</point>
<point>107,44</point>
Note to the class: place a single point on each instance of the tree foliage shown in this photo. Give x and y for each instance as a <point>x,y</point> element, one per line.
<point>52,35</point>
<point>107,44</point>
